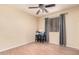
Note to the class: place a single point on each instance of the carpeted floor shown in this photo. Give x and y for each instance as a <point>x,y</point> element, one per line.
<point>41,49</point>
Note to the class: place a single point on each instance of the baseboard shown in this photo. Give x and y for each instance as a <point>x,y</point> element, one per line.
<point>13,47</point>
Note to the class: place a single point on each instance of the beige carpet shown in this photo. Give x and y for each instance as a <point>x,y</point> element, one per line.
<point>40,49</point>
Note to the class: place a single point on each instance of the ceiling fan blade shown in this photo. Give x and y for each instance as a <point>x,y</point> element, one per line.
<point>46,10</point>
<point>32,7</point>
<point>38,12</point>
<point>50,5</point>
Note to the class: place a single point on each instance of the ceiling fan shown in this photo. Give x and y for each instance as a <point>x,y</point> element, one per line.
<point>42,7</point>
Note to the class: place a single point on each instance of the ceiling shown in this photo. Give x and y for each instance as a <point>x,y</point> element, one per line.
<point>58,7</point>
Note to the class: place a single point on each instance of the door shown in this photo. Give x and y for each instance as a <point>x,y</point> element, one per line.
<point>55,27</point>
<point>51,25</point>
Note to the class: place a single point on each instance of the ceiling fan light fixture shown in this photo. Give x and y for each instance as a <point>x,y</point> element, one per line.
<point>42,8</point>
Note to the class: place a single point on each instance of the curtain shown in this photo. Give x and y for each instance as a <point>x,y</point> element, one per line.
<point>51,25</point>
<point>62,40</point>
<point>47,28</point>
<point>56,24</point>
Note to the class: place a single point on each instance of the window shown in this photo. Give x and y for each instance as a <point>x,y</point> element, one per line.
<point>54,24</point>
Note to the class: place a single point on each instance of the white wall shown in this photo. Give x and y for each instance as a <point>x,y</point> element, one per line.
<point>16,27</point>
<point>54,37</point>
<point>72,27</point>
<point>41,24</point>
